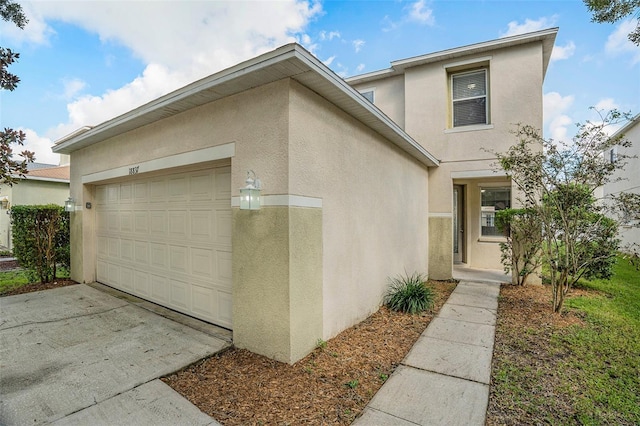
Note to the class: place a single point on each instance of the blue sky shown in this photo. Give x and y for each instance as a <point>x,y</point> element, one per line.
<point>84,62</point>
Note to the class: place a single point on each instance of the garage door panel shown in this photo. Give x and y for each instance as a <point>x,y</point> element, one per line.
<point>168,239</point>
<point>202,223</point>
<point>224,306</point>
<point>158,225</point>
<point>180,295</point>
<point>158,255</point>
<point>160,288</point>
<point>224,266</point>
<point>201,187</point>
<point>158,191</point>
<point>141,284</point>
<point>178,259</point>
<point>141,223</point>
<point>126,250</point>
<point>126,278</point>
<point>126,221</point>
<point>223,185</point>
<point>223,226</point>
<point>202,261</point>
<point>178,224</point>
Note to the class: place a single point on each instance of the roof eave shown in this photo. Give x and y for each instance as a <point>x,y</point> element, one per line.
<point>338,92</point>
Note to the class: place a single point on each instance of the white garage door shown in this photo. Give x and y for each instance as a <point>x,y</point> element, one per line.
<point>167,239</point>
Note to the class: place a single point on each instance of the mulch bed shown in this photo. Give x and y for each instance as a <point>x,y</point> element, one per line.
<point>331,386</point>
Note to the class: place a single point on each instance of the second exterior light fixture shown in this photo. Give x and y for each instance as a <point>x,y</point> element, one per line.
<point>250,194</point>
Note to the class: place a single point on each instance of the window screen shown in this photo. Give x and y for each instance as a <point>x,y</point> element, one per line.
<point>493,200</point>
<point>469,95</point>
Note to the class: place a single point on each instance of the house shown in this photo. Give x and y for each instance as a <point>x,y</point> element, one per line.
<point>627,180</point>
<point>352,192</point>
<point>43,184</point>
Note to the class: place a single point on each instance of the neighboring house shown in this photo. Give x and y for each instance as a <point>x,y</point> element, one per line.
<point>43,184</point>
<point>627,180</point>
<point>353,192</point>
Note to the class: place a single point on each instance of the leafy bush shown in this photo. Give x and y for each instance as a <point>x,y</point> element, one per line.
<point>521,253</point>
<point>409,293</point>
<point>41,239</point>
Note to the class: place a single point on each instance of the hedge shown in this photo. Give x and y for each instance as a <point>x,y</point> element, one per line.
<point>41,239</point>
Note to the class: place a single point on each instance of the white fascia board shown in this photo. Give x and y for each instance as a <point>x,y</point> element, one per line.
<point>44,179</point>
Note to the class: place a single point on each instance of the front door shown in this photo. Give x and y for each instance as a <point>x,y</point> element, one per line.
<point>458,224</point>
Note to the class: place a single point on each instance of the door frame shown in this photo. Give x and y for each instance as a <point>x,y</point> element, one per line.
<point>459,224</point>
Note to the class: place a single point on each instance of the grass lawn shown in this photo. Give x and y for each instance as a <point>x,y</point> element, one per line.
<point>581,367</point>
<point>17,281</point>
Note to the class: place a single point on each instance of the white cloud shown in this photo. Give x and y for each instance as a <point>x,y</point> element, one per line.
<point>563,52</point>
<point>555,107</point>
<point>618,42</point>
<point>419,12</point>
<point>40,145</point>
<point>35,32</point>
<point>606,105</point>
<point>329,60</point>
<point>360,67</point>
<point>72,88</point>
<point>529,25</point>
<point>180,42</point>
<point>357,44</point>
<point>389,24</point>
<point>324,35</point>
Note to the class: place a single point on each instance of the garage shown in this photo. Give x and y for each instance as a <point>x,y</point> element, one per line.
<point>167,239</point>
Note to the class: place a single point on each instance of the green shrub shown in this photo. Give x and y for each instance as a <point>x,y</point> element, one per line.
<point>41,239</point>
<point>409,293</point>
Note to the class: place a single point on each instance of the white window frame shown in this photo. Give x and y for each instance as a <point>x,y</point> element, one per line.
<point>371,90</point>
<point>487,121</point>
<point>491,209</point>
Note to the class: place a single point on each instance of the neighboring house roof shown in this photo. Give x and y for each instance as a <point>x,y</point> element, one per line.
<point>289,61</point>
<point>34,166</point>
<point>52,174</point>
<point>547,37</point>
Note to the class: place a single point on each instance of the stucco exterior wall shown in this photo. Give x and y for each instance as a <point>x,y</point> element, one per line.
<point>515,96</point>
<point>388,96</point>
<point>261,146</point>
<point>374,205</point>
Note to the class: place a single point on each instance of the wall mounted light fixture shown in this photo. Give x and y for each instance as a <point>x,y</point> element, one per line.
<point>250,194</point>
<point>69,205</point>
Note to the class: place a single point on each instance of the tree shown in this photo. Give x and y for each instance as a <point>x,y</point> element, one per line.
<point>11,169</point>
<point>557,185</point>
<point>613,10</point>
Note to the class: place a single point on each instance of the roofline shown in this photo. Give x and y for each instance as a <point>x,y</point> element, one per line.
<point>622,130</point>
<point>90,135</point>
<point>397,67</point>
<point>45,179</point>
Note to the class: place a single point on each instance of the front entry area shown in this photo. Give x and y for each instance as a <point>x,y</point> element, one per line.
<point>167,239</point>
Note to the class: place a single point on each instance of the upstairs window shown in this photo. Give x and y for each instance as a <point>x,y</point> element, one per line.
<point>469,98</point>
<point>368,94</point>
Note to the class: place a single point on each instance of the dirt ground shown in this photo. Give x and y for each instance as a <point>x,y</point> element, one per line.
<point>331,386</point>
<point>8,265</point>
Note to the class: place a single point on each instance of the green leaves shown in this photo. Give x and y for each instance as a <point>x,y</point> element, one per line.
<point>409,294</point>
<point>41,239</point>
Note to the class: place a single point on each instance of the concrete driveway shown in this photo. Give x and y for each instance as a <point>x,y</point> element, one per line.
<point>77,355</point>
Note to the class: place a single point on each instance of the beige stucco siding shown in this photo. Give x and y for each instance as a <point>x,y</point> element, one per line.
<point>515,96</point>
<point>261,146</point>
<point>388,96</point>
<point>374,204</point>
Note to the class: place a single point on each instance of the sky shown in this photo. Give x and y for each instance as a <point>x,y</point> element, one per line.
<point>84,62</point>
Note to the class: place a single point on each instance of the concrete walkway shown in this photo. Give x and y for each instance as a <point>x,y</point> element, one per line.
<point>444,380</point>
